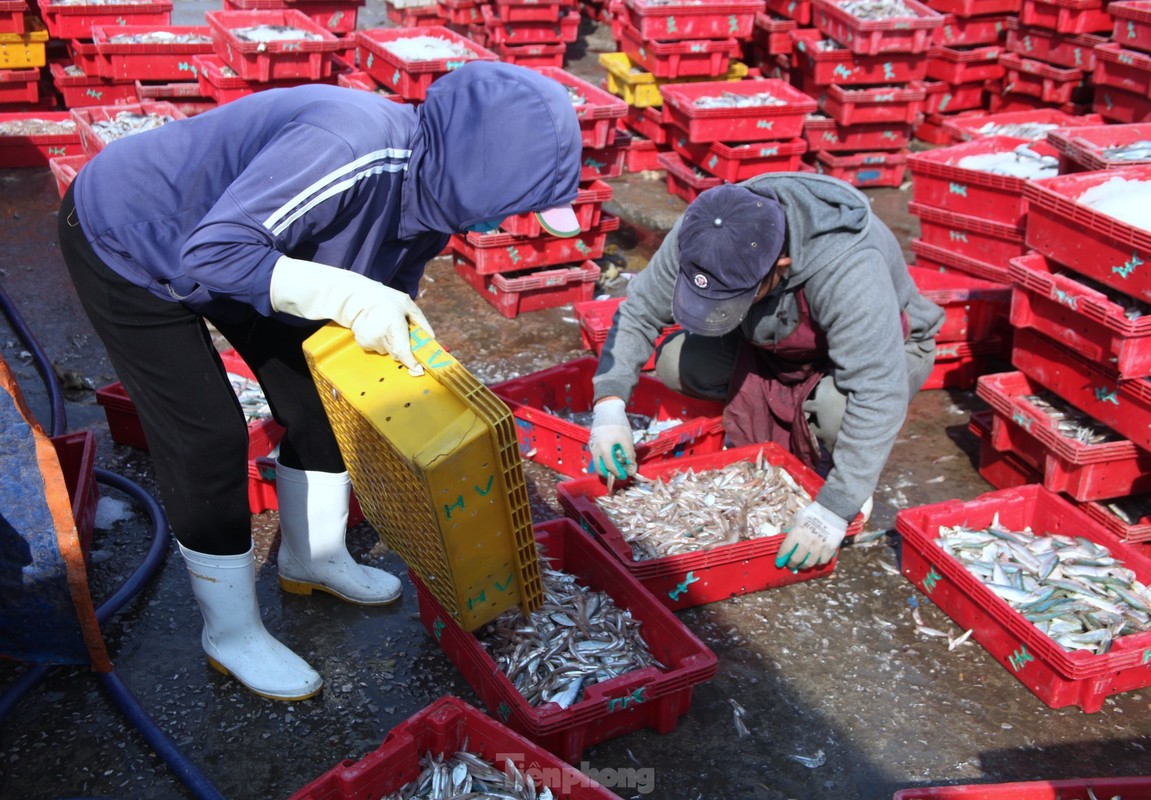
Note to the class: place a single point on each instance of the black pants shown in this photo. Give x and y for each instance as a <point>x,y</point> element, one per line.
<point>196,431</point>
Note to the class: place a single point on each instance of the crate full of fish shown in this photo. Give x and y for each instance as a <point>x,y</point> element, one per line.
<point>877,26</point>
<point>741,160</point>
<point>701,528</point>
<point>679,59</point>
<point>825,61</point>
<point>74,20</point>
<point>407,60</point>
<point>1067,16</point>
<point>553,411</point>
<point>600,658</point>
<point>881,168</point>
<point>336,16</point>
<point>1096,224</point>
<point>495,252</point>
<point>892,105</point>
<point>677,20</point>
<point>1132,24</point>
<point>983,177</point>
<point>99,125</point>
<point>1099,323</point>
<point>588,207</point>
<point>273,44</point>
<point>640,89</point>
<point>977,238</point>
<point>1095,389</point>
<point>1046,591</point>
<point>973,308</point>
<point>1127,518</point>
<point>1073,453</point>
<point>1032,124</point>
<point>514,293</point>
<point>753,110</point>
<point>32,138</point>
<point>595,320</point>
<point>450,749</point>
<point>824,133</point>
<point>1074,789</point>
<point>683,179</point>
<point>1099,147</point>
<point>597,110</point>
<point>153,53</point>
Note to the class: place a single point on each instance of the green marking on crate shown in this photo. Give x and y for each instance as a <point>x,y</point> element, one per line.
<point>1027,43</point>
<point>957,188</point>
<point>930,580</point>
<point>842,71</point>
<point>1130,29</point>
<point>1146,657</point>
<point>1105,395</point>
<point>732,24</point>
<point>184,66</point>
<point>334,21</point>
<point>371,59</point>
<point>438,628</point>
<point>57,151</point>
<point>957,236</point>
<point>791,9</point>
<point>888,134</point>
<point>769,151</point>
<point>513,254</point>
<point>949,352</point>
<point>888,71</point>
<point>1078,56</point>
<point>482,597</point>
<point>766,124</point>
<point>831,136</point>
<point>1069,300</point>
<point>504,710</point>
<point>884,98</point>
<point>1022,420</point>
<point>121,21</point>
<point>292,46</point>
<point>947,32</point>
<point>1107,101</point>
<point>1125,58</point>
<point>711,162</point>
<point>1128,267</point>
<point>456,64</point>
<point>487,488</point>
<point>582,246</point>
<point>503,587</point>
<point>1020,658</point>
<point>591,162</point>
<point>396,78</point>
<point>94,93</point>
<point>458,504</point>
<point>623,702</point>
<point>671,24</point>
<point>944,101</point>
<point>679,590</point>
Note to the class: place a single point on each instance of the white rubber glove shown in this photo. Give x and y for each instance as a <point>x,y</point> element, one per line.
<point>611,445</point>
<point>377,315</point>
<point>814,538</point>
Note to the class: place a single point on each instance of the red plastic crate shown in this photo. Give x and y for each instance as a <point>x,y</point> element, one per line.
<point>85,56</point>
<point>414,16</point>
<point>273,61</point>
<point>647,698</point>
<point>981,239</point>
<point>124,421</point>
<point>1003,470</point>
<point>605,162</point>
<point>880,104</point>
<point>64,169</point>
<point>1072,50</point>
<point>798,10</point>
<point>1129,70</point>
<point>531,55</point>
<point>262,490</point>
<point>750,124</point>
<point>1132,24</point>
<point>642,155</point>
<point>531,10</point>
<point>1123,406</point>
<point>672,21</point>
<point>903,35</point>
<point>975,8</point>
<point>930,130</point>
<point>1083,149</point>
<point>148,61</point>
<point>75,21</point>
<point>824,133</point>
<point>462,12</point>
<point>1037,79</point>
<point>1084,472</point>
<point>588,207</point>
<point>943,258</point>
<point>881,168</point>
<point>1118,105</point>
<point>76,453</point>
<point>1075,789</point>
<point>954,65</point>
<point>90,141</point>
<point>491,253</point>
<point>561,445</point>
<point>1138,531</point>
<point>598,111</point>
<point>514,293</point>
<point>706,576</point>
<point>738,162</point>
<point>958,365</point>
<point>684,180</point>
<point>499,30</point>
<point>1096,245</point>
<point>1067,16</point>
<point>1057,677</point>
<point>973,307</point>
<point>772,34</point>
<point>679,59</point>
<point>19,86</point>
<point>940,97</point>
<point>12,16</point>
<point>35,151</point>
<point>411,79</point>
<point>970,31</point>
<point>184,95</point>
<point>648,122</point>
<point>595,319</point>
<point>968,126</point>
<point>1079,317</point>
<point>847,68</point>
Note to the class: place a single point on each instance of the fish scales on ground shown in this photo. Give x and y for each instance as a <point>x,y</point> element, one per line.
<point>691,511</point>
<point>578,637</point>
<point>465,775</point>
<point>1071,588</point>
<point>1070,421</point>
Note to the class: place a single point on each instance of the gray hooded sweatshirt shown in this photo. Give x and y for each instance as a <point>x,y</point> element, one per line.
<point>856,282</point>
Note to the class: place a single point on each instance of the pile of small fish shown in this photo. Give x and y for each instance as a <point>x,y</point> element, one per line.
<point>73,71</point>
<point>1070,421</point>
<point>576,97</point>
<point>1136,151</point>
<point>33,126</point>
<point>578,637</point>
<point>466,775</point>
<point>643,428</point>
<point>828,44</point>
<point>1131,510</point>
<point>692,511</point>
<point>160,37</point>
<point>1132,308</point>
<point>126,123</point>
<point>274,33</point>
<point>1035,131</point>
<point>1070,588</point>
<point>427,48</point>
<point>1022,162</point>
<point>737,100</point>
<point>878,9</point>
<point>251,397</point>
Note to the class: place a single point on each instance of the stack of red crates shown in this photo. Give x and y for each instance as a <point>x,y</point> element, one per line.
<point>336,16</point>
<point>1123,65</point>
<point>409,78</point>
<point>23,56</point>
<point>1090,147</point>
<point>532,33</point>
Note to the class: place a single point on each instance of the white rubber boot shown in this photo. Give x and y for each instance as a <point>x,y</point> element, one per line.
<point>234,636</point>
<point>313,554</point>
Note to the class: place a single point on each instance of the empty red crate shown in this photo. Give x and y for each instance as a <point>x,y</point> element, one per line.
<point>411,78</point>
<point>943,259</point>
<point>605,162</point>
<point>706,576</point>
<point>1129,70</point>
<point>309,58</point>
<point>684,180</point>
<point>938,179</point>
<point>536,401</point>
<point>75,20</point>
<point>1057,677</point>
<point>953,65</point>
<point>970,31</point>
<point>588,206</point>
<point>596,109</point>
<point>911,34</point>
<point>1127,788</point>
<point>973,307</point>
<point>152,61</point>
<point>680,59</point>
<point>442,729</point>
<point>824,133</point>
<point>676,21</point>
<point>798,10</point>
<point>975,237</point>
<point>647,698</point>
<point>490,253</point>
<point>1135,528</point>
<point>19,86</point>
<point>595,320</point>
<point>1037,79</point>
<point>64,169</point>
<point>738,162</point>
<point>90,139</point>
<point>940,97</point>
<point>1080,470</point>
<point>1085,149</point>
<point>514,293</point>
<point>747,124</point>
<point>1041,120</point>
<point>1067,16</point>
<point>1073,50</point>
<point>864,169</point>
<point>62,139</point>
<point>1096,245</point>
<point>826,65</point>
<point>1123,406</point>
<point>501,31</point>
<point>887,104</point>
<point>1132,26</point>
<point>76,453</point>
<point>1079,317</point>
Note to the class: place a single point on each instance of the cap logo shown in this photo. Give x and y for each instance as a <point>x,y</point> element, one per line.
<point>700,280</point>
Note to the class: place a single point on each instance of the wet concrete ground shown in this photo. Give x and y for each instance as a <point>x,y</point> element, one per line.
<point>829,671</point>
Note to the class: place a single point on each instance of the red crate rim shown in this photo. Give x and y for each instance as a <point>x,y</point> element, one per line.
<point>1059,195</point>
<point>967,222</point>
<point>923,18</point>
<point>684,95</point>
<point>600,103</point>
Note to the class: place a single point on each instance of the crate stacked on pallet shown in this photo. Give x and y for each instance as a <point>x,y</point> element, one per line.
<point>864,62</point>
<point>1122,74</point>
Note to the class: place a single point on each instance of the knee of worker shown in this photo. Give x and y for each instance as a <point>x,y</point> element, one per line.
<point>824,408</point>
<point>698,366</point>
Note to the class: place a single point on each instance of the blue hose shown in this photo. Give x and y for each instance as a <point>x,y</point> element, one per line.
<point>43,365</point>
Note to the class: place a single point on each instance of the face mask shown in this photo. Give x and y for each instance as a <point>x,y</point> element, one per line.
<point>484,227</point>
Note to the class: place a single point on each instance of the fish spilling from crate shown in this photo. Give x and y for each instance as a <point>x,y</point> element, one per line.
<point>878,9</point>
<point>33,126</point>
<point>466,775</point>
<point>737,100</point>
<point>577,638</point>
<point>427,48</point>
<point>275,33</point>
<point>127,123</point>
<point>691,511</point>
<point>159,37</point>
<point>1070,421</point>
<point>1070,588</point>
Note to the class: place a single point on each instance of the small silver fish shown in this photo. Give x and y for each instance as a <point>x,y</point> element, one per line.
<point>127,123</point>
<point>265,34</point>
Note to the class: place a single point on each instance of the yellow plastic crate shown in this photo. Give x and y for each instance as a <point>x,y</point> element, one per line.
<point>640,88</point>
<point>436,467</point>
<point>25,50</point>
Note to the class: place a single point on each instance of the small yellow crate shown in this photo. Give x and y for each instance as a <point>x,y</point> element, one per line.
<point>436,467</point>
<point>640,88</point>
<point>25,50</point>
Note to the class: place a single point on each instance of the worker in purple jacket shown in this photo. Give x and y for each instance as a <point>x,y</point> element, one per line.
<point>267,217</point>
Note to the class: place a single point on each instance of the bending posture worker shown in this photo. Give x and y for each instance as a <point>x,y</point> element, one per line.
<point>798,311</point>
<point>267,217</point>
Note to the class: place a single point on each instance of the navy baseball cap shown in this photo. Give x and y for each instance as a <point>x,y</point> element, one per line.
<point>729,240</point>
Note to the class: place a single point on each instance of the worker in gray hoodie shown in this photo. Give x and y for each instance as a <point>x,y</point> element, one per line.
<point>797,310</point>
